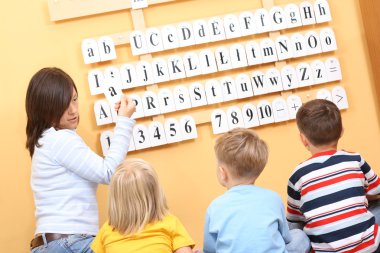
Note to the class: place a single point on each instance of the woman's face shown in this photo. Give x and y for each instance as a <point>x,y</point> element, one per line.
<point>70,117</point>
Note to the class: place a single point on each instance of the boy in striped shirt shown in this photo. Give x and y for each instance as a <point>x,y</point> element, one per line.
<point>327,194</point>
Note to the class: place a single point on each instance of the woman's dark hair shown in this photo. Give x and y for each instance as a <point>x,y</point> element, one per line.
<point>48,96</point>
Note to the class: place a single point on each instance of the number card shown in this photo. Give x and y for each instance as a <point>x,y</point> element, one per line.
<point>219,121</point>
<point>265,112</point>
<point>156,134</point>
<point>141,137</point>
<point>189,130</point>
<point>250,116</point>
<point>234,117</point>
<point>172,131</point>
<point>105,141</point>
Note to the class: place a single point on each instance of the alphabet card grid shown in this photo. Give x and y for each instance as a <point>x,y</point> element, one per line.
<point>277,64</point>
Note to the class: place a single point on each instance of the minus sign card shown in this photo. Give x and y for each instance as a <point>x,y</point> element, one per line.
<point>113,92</point>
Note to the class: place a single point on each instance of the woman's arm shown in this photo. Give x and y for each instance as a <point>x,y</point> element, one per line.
<point>72,153</point>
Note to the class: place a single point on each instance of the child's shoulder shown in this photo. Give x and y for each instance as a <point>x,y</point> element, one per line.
<point>321,160</point>
<point>170,217</point>
<point>245,192</point>
<point>170,220</point>
<point>270,195</point>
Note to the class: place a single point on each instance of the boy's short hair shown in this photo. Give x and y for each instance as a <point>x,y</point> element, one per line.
<point>320,121</point>
<point>243,152</point>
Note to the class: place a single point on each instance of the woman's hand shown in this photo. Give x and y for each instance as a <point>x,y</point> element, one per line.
<point>126,107</point>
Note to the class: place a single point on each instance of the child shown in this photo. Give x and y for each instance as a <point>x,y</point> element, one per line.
<point>138,216</point>
<point>247,218</point>
<point>327,192</point>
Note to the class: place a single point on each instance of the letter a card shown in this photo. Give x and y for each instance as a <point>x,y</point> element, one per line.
<point>113,92</point>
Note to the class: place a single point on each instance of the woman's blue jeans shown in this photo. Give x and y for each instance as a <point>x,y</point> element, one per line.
<point>71,244</point>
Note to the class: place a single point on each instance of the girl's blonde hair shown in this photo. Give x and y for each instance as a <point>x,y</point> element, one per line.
<point>135,197</point>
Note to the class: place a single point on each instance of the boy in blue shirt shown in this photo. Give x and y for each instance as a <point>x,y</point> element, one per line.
<point>247,218</point>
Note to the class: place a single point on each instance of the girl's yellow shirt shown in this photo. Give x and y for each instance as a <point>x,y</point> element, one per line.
<point>163,236</point>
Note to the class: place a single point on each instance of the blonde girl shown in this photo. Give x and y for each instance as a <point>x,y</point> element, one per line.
<point>138,216</point>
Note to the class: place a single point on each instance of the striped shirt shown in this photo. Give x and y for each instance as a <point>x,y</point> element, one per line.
<point>65,175</point>
<point>328,194</point>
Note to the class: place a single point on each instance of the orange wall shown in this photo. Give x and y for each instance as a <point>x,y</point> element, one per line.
<point>30,41</point>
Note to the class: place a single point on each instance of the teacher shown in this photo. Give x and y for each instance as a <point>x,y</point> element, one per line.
<point>65,171</point>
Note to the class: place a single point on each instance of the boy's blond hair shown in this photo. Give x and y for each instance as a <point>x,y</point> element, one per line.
<point>242,152</point>
<point>135,197</point>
